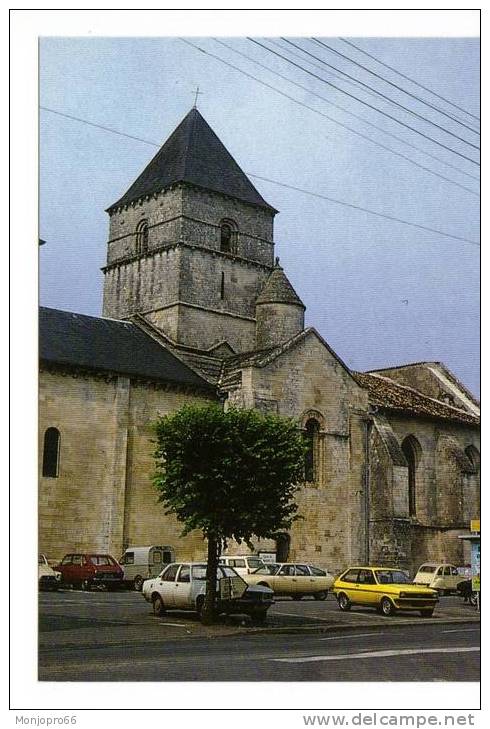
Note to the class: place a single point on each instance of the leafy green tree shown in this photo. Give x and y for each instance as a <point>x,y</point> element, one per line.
<point>230,474</point>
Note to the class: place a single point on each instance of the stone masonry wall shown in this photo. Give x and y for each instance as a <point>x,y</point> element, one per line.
<point>103,498</point>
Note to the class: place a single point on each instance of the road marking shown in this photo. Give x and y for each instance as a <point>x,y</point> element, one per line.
<point>351,635</point>
<point>375,654</point>
<point>175,625</point>
<point>461,630</point>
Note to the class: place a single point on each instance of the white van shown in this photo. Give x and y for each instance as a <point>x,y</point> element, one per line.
<point>141,563</point>
<point>244,564</point>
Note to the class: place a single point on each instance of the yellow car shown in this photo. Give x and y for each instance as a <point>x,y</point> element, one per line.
<point>384,588</point>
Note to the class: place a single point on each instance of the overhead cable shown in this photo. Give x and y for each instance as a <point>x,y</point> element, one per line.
<point>275,182</point>
<point>360,118</point>
<point>417,83</point>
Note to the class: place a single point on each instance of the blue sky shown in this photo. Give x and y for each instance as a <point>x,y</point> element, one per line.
<point>381,292</point>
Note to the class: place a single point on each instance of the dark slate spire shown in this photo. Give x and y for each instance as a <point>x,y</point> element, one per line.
<point>278,290</point>
<point>194,154</point>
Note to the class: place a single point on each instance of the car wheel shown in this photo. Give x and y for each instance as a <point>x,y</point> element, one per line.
<point>474,599</point>
<point>199,605</point>
<point>320,595</point>
<point>344,602</point>
<point>86,585</point>
<point>158,606</point>
<point>386,606</point>
<point>138,583</point>
<point>426,613</point>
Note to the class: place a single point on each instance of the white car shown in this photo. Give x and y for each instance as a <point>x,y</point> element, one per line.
<point>244,564</point>
<point>48,578</point>
<point>182,586</point>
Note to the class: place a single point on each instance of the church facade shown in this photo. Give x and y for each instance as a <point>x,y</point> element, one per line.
<point>196,309</point>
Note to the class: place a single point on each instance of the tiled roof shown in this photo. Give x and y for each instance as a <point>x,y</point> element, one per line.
<point>121,347</point>
<point>389,395</point>
<point>278,289</point>
<point>194,154</point>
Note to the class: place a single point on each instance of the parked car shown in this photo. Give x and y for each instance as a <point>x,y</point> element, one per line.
<point>140,563</point>
<point>48,578</point>
<point>244,564</point>
<point>439,576</point>
<point>384,588</point>
<point>295,580</point>
<point>91,570</point>
<point>182,586</point>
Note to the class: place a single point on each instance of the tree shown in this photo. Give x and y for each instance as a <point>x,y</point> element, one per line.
<point>230,474</point>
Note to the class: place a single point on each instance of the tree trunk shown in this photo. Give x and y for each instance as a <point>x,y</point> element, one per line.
<point>208,614</point>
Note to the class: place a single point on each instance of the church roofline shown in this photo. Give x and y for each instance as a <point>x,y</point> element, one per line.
<point>193,154</point>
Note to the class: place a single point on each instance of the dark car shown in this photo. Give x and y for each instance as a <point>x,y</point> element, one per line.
<point>90,570</point>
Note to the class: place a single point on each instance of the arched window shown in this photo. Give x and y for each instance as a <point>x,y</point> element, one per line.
<point>411,451</point>
<point>474,457</point>
<point>311,434</point>
<point>51,453</point>
<point>228,236</point>
<point>142,237</point>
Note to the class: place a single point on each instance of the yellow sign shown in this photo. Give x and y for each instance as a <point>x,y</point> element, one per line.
<point>475,525</point>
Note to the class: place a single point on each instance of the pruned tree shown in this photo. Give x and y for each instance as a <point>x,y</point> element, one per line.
<point>230,474</point>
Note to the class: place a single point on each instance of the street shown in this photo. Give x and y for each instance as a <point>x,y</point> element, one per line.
<point>105,636</point>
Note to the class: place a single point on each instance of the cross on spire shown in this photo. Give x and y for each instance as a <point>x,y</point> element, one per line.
<point>196,92</point>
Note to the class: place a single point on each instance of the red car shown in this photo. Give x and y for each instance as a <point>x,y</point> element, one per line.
<point>87,570</point>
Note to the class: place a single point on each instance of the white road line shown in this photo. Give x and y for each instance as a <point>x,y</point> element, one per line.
<point>375,654</point>
<point>461,630</point>
<point>350,635</point>
<point>175,625</point>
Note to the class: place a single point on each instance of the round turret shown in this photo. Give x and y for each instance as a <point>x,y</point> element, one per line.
<point>279,312</point>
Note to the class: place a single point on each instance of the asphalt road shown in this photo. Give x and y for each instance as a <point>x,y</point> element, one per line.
<point>103,636</point>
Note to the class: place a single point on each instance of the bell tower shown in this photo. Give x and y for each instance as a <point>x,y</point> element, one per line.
<point>190,244</point>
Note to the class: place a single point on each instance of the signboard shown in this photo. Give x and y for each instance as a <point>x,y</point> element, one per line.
<point>267,557</point>
<point>475,525</point>
<point>475,566</point>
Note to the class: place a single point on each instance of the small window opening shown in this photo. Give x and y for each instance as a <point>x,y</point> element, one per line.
<point>51,453</point>
<point>222,289</point>
<point>312,430</point>
<point>142,237</point>
<point>226,232</point>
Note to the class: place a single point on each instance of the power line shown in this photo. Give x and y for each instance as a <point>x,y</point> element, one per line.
<point>431,139</point>
<point>417,83</point>
<point>386,98</point>
<point>366,210</point>
<point>396,86</point>
<point>275,182</point>
<point>360,118</point>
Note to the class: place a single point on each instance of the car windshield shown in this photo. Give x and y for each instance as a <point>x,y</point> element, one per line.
<point>391,576</point>
<point>254,562</point>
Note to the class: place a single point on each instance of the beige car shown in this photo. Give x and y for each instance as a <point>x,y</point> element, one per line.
<point>438,576</point>
<point>293,580</point>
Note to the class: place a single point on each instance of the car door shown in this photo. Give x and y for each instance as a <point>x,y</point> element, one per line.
<point>304,581</point>
<point>182,588</point>
<point>166,585</point>
<point>285,582</point>
<point>366,588</point>
<point>451,577</point>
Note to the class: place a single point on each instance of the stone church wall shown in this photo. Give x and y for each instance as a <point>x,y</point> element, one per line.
<point>446,493</point>
<point>103,498</point>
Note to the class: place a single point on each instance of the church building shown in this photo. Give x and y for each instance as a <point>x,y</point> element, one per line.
<point>197,308</point>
